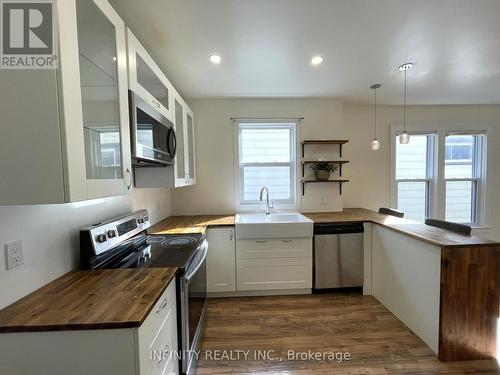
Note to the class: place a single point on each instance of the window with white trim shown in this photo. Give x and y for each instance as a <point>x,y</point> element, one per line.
<point>463,176</point>
<point>442,174</point>
<point>266,156</point>
<point>414,174</point>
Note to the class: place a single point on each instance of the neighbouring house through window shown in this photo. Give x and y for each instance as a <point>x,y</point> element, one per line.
<point>455,194</point>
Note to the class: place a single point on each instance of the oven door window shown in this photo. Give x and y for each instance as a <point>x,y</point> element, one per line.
<point>197,294</point>
<point>153,134</point>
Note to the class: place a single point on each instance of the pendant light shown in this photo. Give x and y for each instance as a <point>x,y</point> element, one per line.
<point>375,144</point>
<point>404,137</point>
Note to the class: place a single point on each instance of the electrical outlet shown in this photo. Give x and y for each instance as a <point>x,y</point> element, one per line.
<point>14,254</point>
<point>324,201</point>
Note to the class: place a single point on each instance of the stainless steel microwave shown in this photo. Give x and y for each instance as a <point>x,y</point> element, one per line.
<point>152,134</point>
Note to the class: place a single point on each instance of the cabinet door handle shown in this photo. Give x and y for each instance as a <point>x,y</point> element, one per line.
<point>166,349</point>
<point>129,183</point>
<point>231,235</point>
<point>287,241</point>
<point>163,305</point>
<point>261,241</point>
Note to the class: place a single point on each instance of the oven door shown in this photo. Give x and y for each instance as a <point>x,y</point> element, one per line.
<point>153,135</point>
<point>193,302</point>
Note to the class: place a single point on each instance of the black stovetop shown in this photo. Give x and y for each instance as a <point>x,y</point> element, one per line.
<point>155,251</point>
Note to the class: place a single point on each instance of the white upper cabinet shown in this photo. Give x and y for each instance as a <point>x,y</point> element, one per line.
<point>146,79</point>
<point>191,159</point>
<point>185,162</point>
<point>66,131</point>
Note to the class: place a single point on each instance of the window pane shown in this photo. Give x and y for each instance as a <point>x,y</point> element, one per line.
<point>459,201</point>
<point>276,179</point>
<point>459,156</point>
<point>411,158</point>
<point>265,145</point>
<point>412,198</point>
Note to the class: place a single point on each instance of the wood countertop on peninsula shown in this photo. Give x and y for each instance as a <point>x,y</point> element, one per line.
<point>427,233</point>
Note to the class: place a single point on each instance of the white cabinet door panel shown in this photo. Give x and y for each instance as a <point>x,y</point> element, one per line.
<point>221,260</point>
<point>274,274</point>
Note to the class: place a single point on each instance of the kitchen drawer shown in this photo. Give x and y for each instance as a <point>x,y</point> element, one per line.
<point>158,313</point>
<point>274,248</point>
<point>158,332</point>
<point>164,343</point>
<point>274,274</point>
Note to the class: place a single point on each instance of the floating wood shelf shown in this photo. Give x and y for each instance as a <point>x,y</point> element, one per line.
<point>339,181</point>
<point>325,161</point>
<point>338,142</point>
<point>339,162</point>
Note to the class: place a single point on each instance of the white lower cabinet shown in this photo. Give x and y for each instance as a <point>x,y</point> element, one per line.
<point>157,337</point>
<point>121,351</point>
<point>274,264</point>
<point>221,260</point>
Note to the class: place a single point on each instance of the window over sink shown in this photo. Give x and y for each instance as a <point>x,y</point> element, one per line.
<point>266,156</point>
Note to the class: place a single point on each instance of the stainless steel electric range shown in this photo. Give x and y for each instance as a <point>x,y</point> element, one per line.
<point>123,242</point>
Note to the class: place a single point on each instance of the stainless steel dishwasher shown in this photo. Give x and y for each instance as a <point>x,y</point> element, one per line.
<point>338,255</point>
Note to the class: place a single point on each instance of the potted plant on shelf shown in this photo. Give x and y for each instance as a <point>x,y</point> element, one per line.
<point>322,170</point>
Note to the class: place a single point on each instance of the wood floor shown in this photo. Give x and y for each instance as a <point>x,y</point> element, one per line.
<point>377,342</point>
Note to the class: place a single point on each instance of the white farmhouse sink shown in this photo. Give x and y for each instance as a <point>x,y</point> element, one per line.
<point>275,225</point>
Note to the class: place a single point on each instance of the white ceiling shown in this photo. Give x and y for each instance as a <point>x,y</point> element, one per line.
<point>266,47</point>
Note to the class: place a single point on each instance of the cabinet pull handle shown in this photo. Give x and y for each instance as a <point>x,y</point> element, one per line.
<point>230,235</point>
<point>261,241</point>
<point>163,305</point>
<point>287,241</point>
<point>166,348</point>
<point>129,183</point>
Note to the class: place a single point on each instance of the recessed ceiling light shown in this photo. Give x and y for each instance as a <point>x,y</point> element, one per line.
<point>316,60</point>
<point>215,59</point>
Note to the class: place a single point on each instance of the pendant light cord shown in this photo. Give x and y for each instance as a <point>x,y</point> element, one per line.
<point>404,105</point>
<point>375,114</point>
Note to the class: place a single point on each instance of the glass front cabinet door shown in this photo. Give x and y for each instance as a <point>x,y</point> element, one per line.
<point>93,82</point>
<point>185,170</point>
<point>147,80</point>
<point>191,160</point>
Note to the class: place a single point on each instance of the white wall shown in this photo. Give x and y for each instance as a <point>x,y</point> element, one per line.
<point>51,239</point>
<point>214,192</point>
<point>370,171</point>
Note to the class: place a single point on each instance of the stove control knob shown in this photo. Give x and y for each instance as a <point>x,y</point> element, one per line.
<point>140,220</point>
<point>111,234</point>
<point>102,238</point>
<point>146,218</point>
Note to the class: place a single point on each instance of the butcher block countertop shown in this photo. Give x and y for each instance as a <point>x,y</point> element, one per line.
<point>190,224</point>
<point>427,233</point>
<point>118,298</point>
